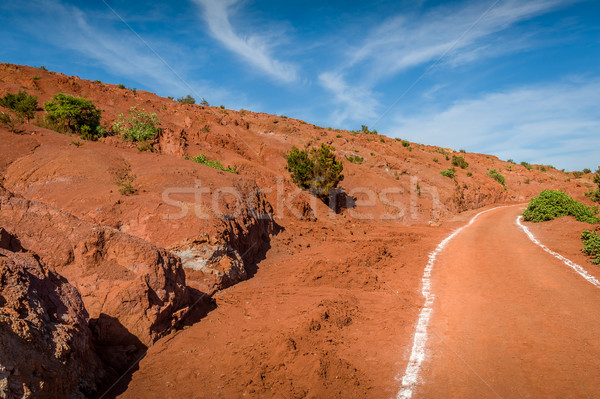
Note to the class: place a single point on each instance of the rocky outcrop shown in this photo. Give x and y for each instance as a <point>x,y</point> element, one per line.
<point>46,346</point>
<point>133,290</point>
<point>215,262</point>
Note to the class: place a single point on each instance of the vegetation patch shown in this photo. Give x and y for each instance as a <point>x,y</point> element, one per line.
<point>21,104</point>
<point>69,114</point>
<point>357,159</point>
<point>316,170</point>
<point>551,204</point>
<point>125,181</point>
<point>527,165</point>
<point>591,245</point>
<point>494,174</point>
<point>448,172</point>
<point>215,164</point>
<point>140,126</point>
<point>459,161</point>
<point>594,195</point>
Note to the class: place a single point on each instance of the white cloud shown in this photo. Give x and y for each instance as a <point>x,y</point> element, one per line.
<point>96,37</point>
<point>454,34</point>
<point>553,124</point>
<point>403,42</point>
<point>357,103</point>
<point>254,49</point>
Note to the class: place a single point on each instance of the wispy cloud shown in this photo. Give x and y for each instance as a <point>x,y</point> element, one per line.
<point>404,42</point>
<point>101,38</point>
<point>554,124</point>
<point>254,49</point>
<point>357,103</point>
<point>455,34</point>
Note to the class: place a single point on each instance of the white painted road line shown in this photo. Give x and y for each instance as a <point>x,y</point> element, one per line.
<point>417,355</point>
<point>578,269</point>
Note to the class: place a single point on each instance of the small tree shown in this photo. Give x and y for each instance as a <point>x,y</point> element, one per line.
<point>140,126</point>
<point>21,104</point>
<point>74,114</point>
<point>187,100</point>
<point>316,170</point>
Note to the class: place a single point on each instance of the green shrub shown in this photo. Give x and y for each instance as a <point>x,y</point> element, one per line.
<point>382,139</point>
<point>10,121</point>
<point>542,168</point>
<point>140,126</point>
<point>21,104</point>
<point>186,100</point>
<point>594,195</point>
<point>124,179</point>
<point>204,102</point>
<point>510,161</point>
<point>586,171</point>
<point>121,86</point>
<point>591,245</point>
<point>365,130</point>
<point>316,170</point>
<point>74,115</point>
<point>448,172</point>
<point>435,160</point>
<point>494,174</point>
<point>577,174</point>
<point>461,150</point>
<point>550,204</point>
<point>527,165</point>
<point>405,143</point>
<point>202,159</point>
<point>357,159</point>
<point>469,174</point>
<point>459,161</point>
<point>338,136</point>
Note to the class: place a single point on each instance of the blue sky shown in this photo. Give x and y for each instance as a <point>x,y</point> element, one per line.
<point>517,79</point>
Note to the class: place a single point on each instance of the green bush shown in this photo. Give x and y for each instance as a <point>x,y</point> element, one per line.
<point>316,170</point>
<point>527,165</point>
<point>459,161</point>
<point>586,170</point>
<point>202,159</point>
<point>448,173</point>
<point>365,130</point>
<point>405,143</point>
<point>71,114</point>
<point>494,174</point>
<point>551,204</point>
<point>591,245</point>
<point>204,102</point>
<point>140,126</point>
<point>577,174</point>
<point>21,104</point>
<point>594,195</point>
<point>357,159</point>
<point>187,100</point>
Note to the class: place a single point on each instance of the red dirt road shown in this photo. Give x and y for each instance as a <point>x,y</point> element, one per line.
<point>509,320</point>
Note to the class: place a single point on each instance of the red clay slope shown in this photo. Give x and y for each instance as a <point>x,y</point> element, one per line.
<point>330,305</point>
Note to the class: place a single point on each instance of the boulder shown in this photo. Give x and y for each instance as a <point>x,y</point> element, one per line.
<point>46,346</point>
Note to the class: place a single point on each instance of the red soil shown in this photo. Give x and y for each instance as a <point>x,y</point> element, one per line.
<point>330,304</point>
<point>510,320</point>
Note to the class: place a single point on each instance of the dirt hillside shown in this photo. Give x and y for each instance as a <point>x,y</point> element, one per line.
<point>241,284</point>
